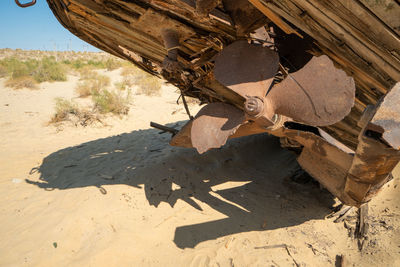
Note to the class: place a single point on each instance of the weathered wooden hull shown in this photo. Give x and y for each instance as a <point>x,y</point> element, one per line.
<point>361,37</point>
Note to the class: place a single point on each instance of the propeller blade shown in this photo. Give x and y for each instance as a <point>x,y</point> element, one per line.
<point>319,94</point>
<point>214,124</point>
<point>246,69</point>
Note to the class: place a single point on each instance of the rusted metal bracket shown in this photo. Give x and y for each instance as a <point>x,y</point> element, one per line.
<point>324,161</point>
<point>377,152</point>
<point>31,3</point>
<point>186,107</point>
<point>164,128</point>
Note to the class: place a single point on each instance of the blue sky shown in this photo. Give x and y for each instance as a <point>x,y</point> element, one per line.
<point>35,28</point>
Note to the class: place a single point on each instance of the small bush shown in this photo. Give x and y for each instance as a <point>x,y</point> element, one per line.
<point>120,86</point>
<point>20,70</point>
<point>112,64</point>
<point>3,71</point>
<point>126,83</point>
<point>96,64</point>
<point>17,68</point>
<point>67,110</point>
<point>84,89</point>
<point>50,70</point>
<point>130,71</point>
<point>87,72</point>
<point>92,86</point>
<point>64,108</point>
<point>77,64</point>
<point>112,102</point>
<point>21,82</point>
<point>47,69</point>
<point>148,85</point>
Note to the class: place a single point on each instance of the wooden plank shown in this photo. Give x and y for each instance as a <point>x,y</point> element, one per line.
<point>274,18</point>
<point>387,11</point>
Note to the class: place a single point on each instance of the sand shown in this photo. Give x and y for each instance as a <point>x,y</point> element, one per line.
<point>119,195</point>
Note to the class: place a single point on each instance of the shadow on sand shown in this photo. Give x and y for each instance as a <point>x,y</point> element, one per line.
<point>144,157</point>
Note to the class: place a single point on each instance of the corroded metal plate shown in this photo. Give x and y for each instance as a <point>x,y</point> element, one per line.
<point>319,94</point>
<point>247,69</point>
<point>214,124</point>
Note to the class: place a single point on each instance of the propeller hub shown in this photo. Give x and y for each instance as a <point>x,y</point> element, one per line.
<point>254,106</point>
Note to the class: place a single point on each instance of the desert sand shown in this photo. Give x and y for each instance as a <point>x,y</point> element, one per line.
<point>119,195</point>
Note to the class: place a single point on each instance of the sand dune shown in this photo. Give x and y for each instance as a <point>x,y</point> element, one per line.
<point>119,195</point>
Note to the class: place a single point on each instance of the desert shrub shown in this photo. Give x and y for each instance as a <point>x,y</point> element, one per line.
<point>3,71</point>
<point>64,108</point>
<point>87,72</point>
<point>112,64</point>
<point>120,85</point>
<point>96,64</point>
<point>21,82</point>
<point>77,64</point>
<point>111,102</point>
<point>126,83</point>
<point>93,63</point>
<point>92,85</point>
<point>148,85</point>
<point>67,110</point>
<point>49,69</point>
<point>84,88</point>
<point>17,68</point>
<point>130,71</point>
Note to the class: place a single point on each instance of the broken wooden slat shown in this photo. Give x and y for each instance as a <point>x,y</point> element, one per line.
<point>274,18</point>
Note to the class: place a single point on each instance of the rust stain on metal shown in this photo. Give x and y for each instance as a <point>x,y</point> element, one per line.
<point>247,69</point>
<point>387,118</point>
<point>182,138</point>
<point>378,151</point>
<point>319,94</point>
<point>371,167</point>
<point>214,124</point>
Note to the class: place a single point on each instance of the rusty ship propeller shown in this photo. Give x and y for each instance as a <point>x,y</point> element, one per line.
<point>319,94</point>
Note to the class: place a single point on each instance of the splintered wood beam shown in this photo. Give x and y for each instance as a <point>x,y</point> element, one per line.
<point>274,18</point>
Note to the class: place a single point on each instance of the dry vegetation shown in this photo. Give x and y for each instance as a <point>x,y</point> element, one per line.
<point>111,102</point>
<point>126,84</point>
<point>91,83</point>
<point>31,71</point>
<point>103,102</point>
<point>68,110</point>
<point>97,59</point>
<point>146,83</point>
<point>21,82</point>
<point>27,69</point>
